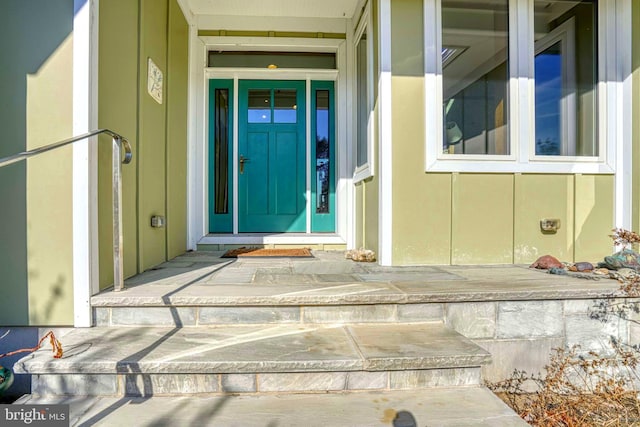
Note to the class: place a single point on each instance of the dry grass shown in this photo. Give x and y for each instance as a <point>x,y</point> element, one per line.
<point>576,390</point>
<point>624,237</point>
<point>585,388</point>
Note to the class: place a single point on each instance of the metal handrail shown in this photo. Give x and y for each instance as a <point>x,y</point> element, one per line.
<point>118,142</point>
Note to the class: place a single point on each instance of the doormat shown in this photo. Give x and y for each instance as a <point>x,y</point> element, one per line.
<point>267,253</point>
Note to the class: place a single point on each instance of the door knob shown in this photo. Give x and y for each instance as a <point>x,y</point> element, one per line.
<point>243,159</point>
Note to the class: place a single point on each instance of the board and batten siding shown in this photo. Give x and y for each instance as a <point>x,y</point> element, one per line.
<point>131,32</point>
<point>117,110</point>
<point>478,218</point>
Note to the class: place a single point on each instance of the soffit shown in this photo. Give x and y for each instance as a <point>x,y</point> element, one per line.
<point>273,8</point>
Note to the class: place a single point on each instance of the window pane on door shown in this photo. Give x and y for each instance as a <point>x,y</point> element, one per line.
<point>475,70</point>
<point>285,108</point>
<point>259,110</point>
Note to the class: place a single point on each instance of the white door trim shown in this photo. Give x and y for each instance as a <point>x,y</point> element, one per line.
<point>199,76</point>
<point>196,131</point>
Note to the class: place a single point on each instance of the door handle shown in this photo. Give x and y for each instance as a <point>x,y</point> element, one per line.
<point>243,159</point>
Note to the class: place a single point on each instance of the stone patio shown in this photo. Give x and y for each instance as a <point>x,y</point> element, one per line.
<point>260,334</point>
<point>518,314</point>
<point>203,278</point>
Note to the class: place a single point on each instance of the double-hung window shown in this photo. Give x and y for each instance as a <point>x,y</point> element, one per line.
<point>524,85</point>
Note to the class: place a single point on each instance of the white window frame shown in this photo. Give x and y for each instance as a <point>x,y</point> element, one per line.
<point>613,121</point>
<point>366,170</point>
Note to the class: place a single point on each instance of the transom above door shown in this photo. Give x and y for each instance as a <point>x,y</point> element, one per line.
<point>262,181</point>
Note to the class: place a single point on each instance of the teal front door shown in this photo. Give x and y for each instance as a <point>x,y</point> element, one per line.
<point>271,156</point>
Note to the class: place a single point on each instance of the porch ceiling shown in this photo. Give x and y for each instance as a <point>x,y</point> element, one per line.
<point>280,8</point>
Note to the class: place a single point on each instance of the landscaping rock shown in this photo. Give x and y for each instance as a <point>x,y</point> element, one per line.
<point>625,258</point>
<point>582,267</point>
<point>601,271</point>
<point>361,255</point>
<point>546,262</point>
<point>556,270</point>
<point>623,273</point>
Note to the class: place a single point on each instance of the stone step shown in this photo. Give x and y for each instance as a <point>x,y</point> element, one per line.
<point>191,316</point>
<point>248,359</point>
<point>200,289</point>
<point>462,406</point>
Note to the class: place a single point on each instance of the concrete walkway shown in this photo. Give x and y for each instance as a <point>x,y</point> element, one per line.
<point>430,408</point>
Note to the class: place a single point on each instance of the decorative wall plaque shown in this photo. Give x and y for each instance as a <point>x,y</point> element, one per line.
<point>155,81</point>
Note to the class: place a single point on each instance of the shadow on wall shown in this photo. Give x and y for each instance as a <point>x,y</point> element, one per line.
<point>42,309</point>
<point>30,34</point>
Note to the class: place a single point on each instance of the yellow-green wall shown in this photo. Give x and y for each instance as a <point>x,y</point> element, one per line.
<point>36,82</point>
<point>530,205</point>
<point>152,136</point>
<point>371,206</point>
<point>366,213</point>
<point>118,110</point>
<point>594,202</point>
<point>422,217</point>
<point>473,218</point>
<point>49,190</point>
<point>177,91</point>
<point>131,32</point>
